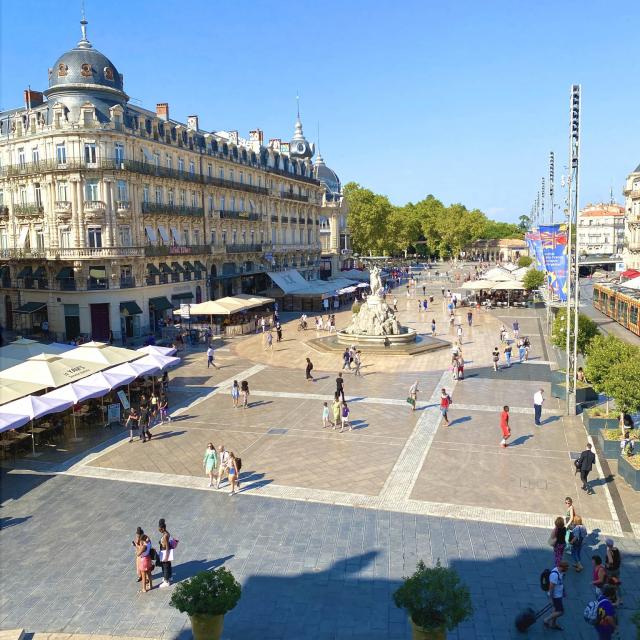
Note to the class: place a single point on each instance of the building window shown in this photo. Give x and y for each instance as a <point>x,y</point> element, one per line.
<point>210,203</point>
<point>158,195</point>
<point>186,237</point>
<point>222,203</point>
<point>169,161</point>
<point>192,167</point>
<point>61,154</point>
<point>156,160</point>
<point>231,175</point>
<point>95,237</point>
<point>35,155</point>
<point>65,238</point>
<point>233,203</point>
<point>196,236</point>
<point>234,237</point>
<point>37,192</point>
<point>21,158</point>
<point>170,198</point>
<point>213,237</point>
<point>40,239</point>
<point>145,193</point>
<point>119,154</point>
<point>194,199</point>
<point>125,236</point>
<point>183,198</point>
<point>4,239</point>
<point>241,204</point>
<point>23,195</point>
<point>180,164</point>
<point>123,193</point>
<point>1,197</point>
<point>224,237</point>
<point>91,190</point>
<point>90,153</point>
<point>244,237</point>
<point>241,178</point>
<point>221,173</point>
<point>252,237</point>
<point>209,170</point>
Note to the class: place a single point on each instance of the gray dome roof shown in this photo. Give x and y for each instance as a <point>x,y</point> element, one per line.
<point>327,176</point>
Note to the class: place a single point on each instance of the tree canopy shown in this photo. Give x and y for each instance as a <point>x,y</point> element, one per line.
<point>533,279</point>
<point>587,330</point>
<point>428,227</point>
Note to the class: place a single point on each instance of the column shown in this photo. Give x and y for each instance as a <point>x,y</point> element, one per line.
<point>80,225</point>
<point>51,228</point>
<point>108,214</point>
<point>75,213</point>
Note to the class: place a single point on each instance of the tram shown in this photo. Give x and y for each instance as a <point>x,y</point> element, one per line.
<point>620,303</point>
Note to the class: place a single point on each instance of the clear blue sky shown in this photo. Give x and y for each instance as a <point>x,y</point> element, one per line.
<point>460,99</point>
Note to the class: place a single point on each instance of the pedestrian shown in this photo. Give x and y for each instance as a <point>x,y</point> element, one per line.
<point>332,323</point>
<point>570,514</point>
<point>263,324</point>
<point>133,423</point>
<point>445,403</point>
<point>584,464</point>
<point>344,415</point>
<point>269,341</point>
<point>419,306</point>
<point>556,594</point>
<point>135,542</point>
<point>340,385</point>
<point>442,289</point>
<point>164,409</point>
<point>279,332</point>
<point>357,362</point>
<point>538,400</point>
<point>516,329</point>
<point>210,362</point>
<point>166,555</point>
<point>413,395</point>
<point>606,618</point>
<point>576,538</point>
<point>503,333</point>
<point>346,359</point>
<point>153,409</point>
<point>504,426</point>
<point>233,471</point>
<point>235,394</point>
<point>507,355</point>
<point>521,350</point>
<point>599,575</point>
<point>326,420</point>
<point>308,370</point>
<point>459,333</point>
<point>146,565</point>
<point>318,325</point>
<point>425,305</point>
<point>469,318</point>
<point>612,564</point>
<point>424,290</point>
<point>495,356</point>
<point>145,434</point>
<point>223,462</point>
<point>210,462</point>
<point>433,327</point>
<point>336,410</point>
<point>527,348</point>
<point>460,365</point>
<point>557,540</point>
<point>244,390</point>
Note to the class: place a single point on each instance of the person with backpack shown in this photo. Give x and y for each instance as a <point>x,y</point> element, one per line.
<point>576,538</point>
<point>612,565</point>
<point>604,619</point>
<point>554,582</point>
<point>445,403</point>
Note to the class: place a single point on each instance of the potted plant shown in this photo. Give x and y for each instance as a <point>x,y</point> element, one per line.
<point>600,417</point>
<point>435,600</point>
<point>629,469</point>
<point>609,441</point>
<point>205,598</point>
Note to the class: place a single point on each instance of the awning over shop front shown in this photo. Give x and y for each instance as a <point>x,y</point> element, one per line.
<point>26,272</point>
<point>200,266</point>
<point>188,266</point>
<point>31,307</point>
<point>130,307</point>
<point>160,304</point>
<point>163,234</point>
<point>165,268</point>
<point>289,281</point>
<point>185,295</point>
<point>151,234</point>
<point>64,273</point>
<point>177,267</point>
<point>40,272</point>
<point>153,270</point>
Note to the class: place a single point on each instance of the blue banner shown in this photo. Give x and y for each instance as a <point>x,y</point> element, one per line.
<point>553,242</point>
<point>535,248</point>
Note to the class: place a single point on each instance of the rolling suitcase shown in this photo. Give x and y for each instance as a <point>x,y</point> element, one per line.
<point>528,617</point>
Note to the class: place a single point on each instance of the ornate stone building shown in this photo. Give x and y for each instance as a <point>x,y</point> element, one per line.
<point>334,233</point>
<point>631,254</point>
<point>111,214</point>
<point>601,229</point>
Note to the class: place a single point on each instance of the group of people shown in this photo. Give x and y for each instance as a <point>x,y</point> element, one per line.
<point>238,390</point>
<point>220,463</point>
<point>352,356</point>
<point>336,415</point>
<point>148,557</point>
<point>569,535</point>
<point>150,411</point>
<point>327,323</point>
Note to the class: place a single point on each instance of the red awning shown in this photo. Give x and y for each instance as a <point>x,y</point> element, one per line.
<point>630,273</point>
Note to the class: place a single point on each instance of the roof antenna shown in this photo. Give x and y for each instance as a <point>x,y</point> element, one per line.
<point>298,102</point>
<point>83,27</point>
<point>611,195</point>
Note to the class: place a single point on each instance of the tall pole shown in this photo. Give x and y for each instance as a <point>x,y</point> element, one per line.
<point>543,192</point>
<point>551,182</point>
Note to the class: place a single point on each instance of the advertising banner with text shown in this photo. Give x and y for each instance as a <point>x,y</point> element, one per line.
<point>553,240</point>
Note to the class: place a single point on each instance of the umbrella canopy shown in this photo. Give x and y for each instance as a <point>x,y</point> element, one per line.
<point>12,421</point>
<point>6,362</point>
<point>50,371</point>
<point>162,362</point>
<point>12,390</point>
<point>476,285</point>
<point>136,369</point>
<point>36,406</point>
<point>78,392</point>
<point>157,351</point>
<point>508,286</point>
<point>498,274</point>
<point>109,379</point>
<point>24,348</point>
<point>102,353</point>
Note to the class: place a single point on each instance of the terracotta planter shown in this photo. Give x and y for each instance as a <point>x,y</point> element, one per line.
<point>420,633</point>
<point>206,627</point>
<point>629,472</point>
<point>597,424</point>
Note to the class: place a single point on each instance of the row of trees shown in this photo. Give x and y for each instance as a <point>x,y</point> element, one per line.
<point>427,227</point>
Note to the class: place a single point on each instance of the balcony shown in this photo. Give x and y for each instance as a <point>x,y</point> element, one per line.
<point>293,220</point>
<point>127,282</point>
<point>97,284</point>
<point>123,206</point>
<point>28,210</point>
<point>30,254</point>
<point>171,209</point>
<point>244,248</point>
<point>289,195</point>
<point>94,210</point>
<point>156,251</point>
<point>274,218</point>
<point>232,184</point>
<point>68,253</point>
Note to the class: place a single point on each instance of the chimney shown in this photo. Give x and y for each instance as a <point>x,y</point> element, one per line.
<point>256,136</point>
<point>274,143</point>
<point>162,110</point>
<point>33,98</point>
<point>192,123</point>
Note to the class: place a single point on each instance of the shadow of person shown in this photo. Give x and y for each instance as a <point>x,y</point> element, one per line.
<point>520,440</point>
<point>182,571</point>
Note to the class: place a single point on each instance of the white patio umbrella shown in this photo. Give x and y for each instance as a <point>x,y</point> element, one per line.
<point>12,390</point>
<point>476,285</point>
<point>35,407</point>
<point>102,353</point>
<point>152,350</point>
<point>50,371</point>
<point>24,348</point>
<point>12,421</point>
<point>162,362</point>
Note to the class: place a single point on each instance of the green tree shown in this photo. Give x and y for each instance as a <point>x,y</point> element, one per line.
<point>368,218</point>
<point>533,279</point>
<point>525,221</point>
<point>623,384</point>
<point>525,261</point>
<point>497,230</point>
<point>587,330</point>
<point>603,353</point>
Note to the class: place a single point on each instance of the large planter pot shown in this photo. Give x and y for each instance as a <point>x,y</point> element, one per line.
<point>629,472</point>
<point>206,627</point>
<point>610,448</point>
<point>583,394</point>
<point>420,633</point>
<point>595,425</point>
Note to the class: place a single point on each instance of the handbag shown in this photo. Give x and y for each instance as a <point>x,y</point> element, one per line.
<point>411,401</point>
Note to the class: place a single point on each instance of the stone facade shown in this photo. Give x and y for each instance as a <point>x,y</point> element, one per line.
<point>110,214</point>
<point>631,253</point>
<point>601,229</point>
<point>503,250</point>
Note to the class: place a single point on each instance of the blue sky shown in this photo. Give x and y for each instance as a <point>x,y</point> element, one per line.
<point>460,99</point>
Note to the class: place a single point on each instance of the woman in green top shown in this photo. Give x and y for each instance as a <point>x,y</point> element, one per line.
<point>210,462</point>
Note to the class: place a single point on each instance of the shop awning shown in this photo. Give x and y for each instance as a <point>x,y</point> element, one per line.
<point>40,272</point>
<point>22,238</point>
<point>31,307</point>
<point>199,266</point>
<point>64,273</point>
<point>185,295</point>
<point>163,234</point>
<point>153,270</point>
<point>289,281</point>
<point>177,267</point>
<point>26,272</point>
<point>630,273</point>
<point>160,304</point>
<point>177,238</point>
<point>131,307</point>
<point>188,266</point>
<point>165,268</point>
<point>151,234</point>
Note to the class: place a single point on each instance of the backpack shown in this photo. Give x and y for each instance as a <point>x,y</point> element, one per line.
<point>545,579</point>
<point>239,464</point>
<point>591,612</point>
<point>173,543</point>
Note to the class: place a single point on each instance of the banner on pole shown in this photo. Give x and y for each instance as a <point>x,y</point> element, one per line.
<point>553,242</point>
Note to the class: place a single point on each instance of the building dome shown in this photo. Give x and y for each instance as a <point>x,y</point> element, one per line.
<point>326,176</point>
<point>84,68</point>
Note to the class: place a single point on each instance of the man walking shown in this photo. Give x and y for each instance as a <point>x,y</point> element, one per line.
<point>357,361</point>
<point>340,386</point>
<point>346,359</point>
<point>504,426</point>
<point>210,362</point>
<point>538,400</point>
<point>445,403</point>
<point>469,318</point>
<point>584,465</point>
<point>516,329</point>
<point>556,594</point>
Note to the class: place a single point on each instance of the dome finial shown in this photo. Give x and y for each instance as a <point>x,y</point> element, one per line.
<point>84,43</point>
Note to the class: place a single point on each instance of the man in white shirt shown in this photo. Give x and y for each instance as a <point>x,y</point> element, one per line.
<point>210,362</point>
<point>538,400</point>
<point>556,594</point>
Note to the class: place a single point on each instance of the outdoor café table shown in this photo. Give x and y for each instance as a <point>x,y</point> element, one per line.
<point>39,430</point>
<point>9,446</point>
